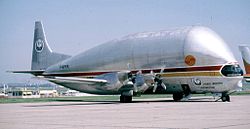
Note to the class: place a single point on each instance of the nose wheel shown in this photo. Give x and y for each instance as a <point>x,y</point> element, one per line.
<point>225,97</point>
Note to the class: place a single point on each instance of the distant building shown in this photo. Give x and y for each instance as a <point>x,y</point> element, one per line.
<point>48,93</point>
<point>3,95</point>
<point>23,94</point>
<point>32,94</point>
<point>70,93</point>
<point>75,93</point>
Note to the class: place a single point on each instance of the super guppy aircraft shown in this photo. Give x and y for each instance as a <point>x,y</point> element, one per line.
<point>181,62</point>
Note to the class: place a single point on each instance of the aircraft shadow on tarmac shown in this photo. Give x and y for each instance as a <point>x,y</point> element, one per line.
<point>92,102</point>
<point>140,100</point>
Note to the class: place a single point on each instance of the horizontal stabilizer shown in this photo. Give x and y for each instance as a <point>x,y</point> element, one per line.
<point>34,72</point>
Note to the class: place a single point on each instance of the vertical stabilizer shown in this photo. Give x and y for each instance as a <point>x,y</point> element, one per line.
<point>245,53</point>
<point>42,55</point>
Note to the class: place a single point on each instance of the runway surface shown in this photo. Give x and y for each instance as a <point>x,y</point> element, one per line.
<point>142,114</point>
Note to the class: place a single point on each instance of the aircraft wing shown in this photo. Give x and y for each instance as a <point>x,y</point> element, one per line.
<point>39,75</point>
<point>75,80</point>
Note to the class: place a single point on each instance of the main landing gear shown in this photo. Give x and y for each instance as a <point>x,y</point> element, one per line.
<point>125,99</point>
<point>126,96</point>
<point>185,94</point>
<point>177,96</point>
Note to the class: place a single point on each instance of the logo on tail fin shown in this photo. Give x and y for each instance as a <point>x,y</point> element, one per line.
<point>39,45</point>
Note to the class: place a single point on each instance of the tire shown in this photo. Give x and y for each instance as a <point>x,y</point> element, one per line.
<point>125,99</point>
<point>228,98</point>
<point>177,96</point>
<point>225,97</point>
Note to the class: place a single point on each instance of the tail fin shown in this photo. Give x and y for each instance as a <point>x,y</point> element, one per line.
<point>42,55</point>
<point>245,53</point>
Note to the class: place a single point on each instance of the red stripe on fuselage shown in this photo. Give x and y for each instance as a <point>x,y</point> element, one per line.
<point>205,68</point>
<point>144,71</point>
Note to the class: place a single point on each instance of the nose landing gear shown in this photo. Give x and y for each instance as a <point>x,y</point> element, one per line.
<point>225,97</point>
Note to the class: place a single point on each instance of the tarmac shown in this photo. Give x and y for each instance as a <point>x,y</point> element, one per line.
<point>197,113</point>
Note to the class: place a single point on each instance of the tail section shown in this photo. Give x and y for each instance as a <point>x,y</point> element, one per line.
<point>42,55</point>
<point>245,53</point>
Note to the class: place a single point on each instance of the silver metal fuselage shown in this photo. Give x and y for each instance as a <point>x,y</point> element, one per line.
<point>192,56</point>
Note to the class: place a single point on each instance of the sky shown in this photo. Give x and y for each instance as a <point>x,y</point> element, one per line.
<point>73,26</point>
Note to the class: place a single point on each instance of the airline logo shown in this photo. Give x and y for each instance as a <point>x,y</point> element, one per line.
<point>39,45</point>
<point>196,81</point>
<point>190,60</point>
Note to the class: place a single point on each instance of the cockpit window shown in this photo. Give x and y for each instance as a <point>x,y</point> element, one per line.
<point>232,71</point>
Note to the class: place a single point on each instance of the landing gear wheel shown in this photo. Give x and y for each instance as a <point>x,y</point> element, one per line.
<point>177,96</point>
<point>225,97</point>
<point>125,99</point>
<point>228,98</point>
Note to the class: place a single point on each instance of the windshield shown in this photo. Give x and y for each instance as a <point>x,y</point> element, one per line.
<point>232,71</point>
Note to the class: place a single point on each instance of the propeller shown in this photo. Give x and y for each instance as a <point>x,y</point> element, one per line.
<point>140,81</point>
<point>157,81</point>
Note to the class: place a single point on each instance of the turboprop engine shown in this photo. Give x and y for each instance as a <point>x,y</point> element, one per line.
<point>140,82</point>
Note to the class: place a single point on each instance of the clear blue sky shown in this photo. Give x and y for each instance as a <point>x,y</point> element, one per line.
<point>73,26</point>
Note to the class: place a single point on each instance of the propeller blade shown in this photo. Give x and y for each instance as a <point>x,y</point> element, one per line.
<point>155,87</point>
<point>135,88</point>
<point>163,86</point>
